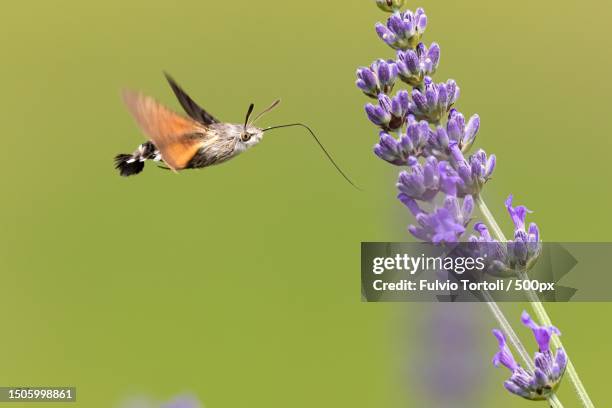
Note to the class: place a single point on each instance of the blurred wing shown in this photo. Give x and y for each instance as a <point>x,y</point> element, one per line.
<point>189,105</point>
<point>175,136</point>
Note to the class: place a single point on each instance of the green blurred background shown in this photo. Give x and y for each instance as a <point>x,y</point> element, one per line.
<point>240,283</point>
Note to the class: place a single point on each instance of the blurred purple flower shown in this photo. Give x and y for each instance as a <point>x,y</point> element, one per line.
<point>444,224</point>
<point>403,29</point>
<point>546,377</point>
<point>182,402</point>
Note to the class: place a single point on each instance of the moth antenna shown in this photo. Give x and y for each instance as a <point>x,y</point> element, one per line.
<point>320,145</point>
<point>248,115</point>
<point>271,107</point>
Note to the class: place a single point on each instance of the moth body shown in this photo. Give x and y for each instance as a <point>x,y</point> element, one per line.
<point>197,141</point>
<point>224,141</point>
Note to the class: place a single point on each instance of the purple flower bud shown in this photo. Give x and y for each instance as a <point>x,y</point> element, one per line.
<point>421,21</point>
<point>410,143</point>
<point>548,372</point>
<point>403,30</point>
<point>379,78</point>
<point>458,133</point>
<point>515,389</point>
<point>414,65</point>
<point>391,114</point>
<point>390,6</point>
<point>433,54</point>
<point>411,204</point>
<point>560,363</point>
<point>434,102</point>
<point>377,115</point>
<point>469,132</point>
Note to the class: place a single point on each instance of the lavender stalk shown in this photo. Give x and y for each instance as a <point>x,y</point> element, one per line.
<point>409,116</point>
<point>422,131</point>
<point>540,311</point>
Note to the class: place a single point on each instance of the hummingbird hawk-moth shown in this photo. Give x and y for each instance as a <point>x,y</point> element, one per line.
<point>197,141</point>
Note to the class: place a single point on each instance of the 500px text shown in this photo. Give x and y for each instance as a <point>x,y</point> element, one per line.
<point>466,285</point>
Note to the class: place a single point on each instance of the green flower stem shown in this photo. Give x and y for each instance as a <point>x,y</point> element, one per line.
<point>540,311</point>
<point>507,329</point>
<point>514,340</point>
<point>554,401</point>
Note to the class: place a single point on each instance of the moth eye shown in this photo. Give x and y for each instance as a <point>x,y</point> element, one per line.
<point>245,137</point>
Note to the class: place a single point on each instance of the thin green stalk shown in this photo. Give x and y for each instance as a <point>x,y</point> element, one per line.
<point>540,311</point>
<point>507,329</point>
<point>515,341</point>
<point>554,401</point>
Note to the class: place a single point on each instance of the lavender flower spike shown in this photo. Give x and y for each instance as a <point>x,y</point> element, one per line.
<point>548,372</point>
<point>390,5</point>
<point>414,65</point>
<point>434,102</point>
<point>403,30</point>
<point>445,224</point>
<point>378,78</point>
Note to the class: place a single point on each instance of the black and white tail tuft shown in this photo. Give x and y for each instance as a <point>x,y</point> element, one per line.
<point>127,166</point>
<point>131,164</point>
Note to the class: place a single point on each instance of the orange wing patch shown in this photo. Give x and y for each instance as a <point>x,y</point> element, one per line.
<point>171,133</point>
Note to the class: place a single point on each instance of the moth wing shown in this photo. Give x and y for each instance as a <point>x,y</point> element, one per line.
<point>195,111</point>
<point>174,135</point>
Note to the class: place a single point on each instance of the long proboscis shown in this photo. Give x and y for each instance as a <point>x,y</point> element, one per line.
<point>320,145</point>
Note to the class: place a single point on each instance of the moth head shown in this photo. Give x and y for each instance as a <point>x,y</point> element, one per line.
<point>251,135</point>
